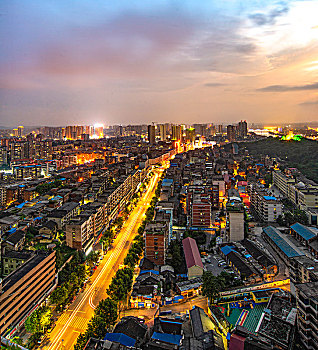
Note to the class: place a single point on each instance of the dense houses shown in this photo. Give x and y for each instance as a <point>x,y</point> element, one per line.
<point>218,211</point>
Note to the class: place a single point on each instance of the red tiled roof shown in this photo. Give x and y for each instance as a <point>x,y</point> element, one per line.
<point>191,252</point>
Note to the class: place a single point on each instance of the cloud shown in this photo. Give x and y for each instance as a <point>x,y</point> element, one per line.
<point>284,88</point>
<point>261,19</point>
<point>214,84</point>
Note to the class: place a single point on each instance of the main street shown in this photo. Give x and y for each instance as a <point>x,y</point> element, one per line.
<point>75,319</point>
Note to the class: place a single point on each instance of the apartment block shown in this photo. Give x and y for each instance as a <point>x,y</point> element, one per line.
<point>267,207</point>
<point>307,304</point>
<point>3,196</point>
<point>22,291</point>
<point>283,182</point>
<point>156,242</point>
<point>236,218</point>
<point>80,233</point>
<point>201,211</point>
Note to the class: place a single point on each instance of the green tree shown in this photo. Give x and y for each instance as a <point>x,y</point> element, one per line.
<point>107,308</point>
<point>211,286</point>
<point>38,320</point>
<point>81,341</point>
<point>59,296</point>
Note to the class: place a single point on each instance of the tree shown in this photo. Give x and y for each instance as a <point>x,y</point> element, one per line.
<point>59,296</point>
<point>107,308</point>
<point>176,260</point>
<point>120,284</point>
<point>81,341</point>
<point>211,286</point>
<point>92,258</point>
<point>38,320</point>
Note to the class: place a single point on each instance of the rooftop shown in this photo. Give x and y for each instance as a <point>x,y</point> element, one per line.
<point>191,252</point>
<point>167,338</point>
<point>281,242</point>
<point>309,289</point>
<point>23,270</point>
<point>306,232</point>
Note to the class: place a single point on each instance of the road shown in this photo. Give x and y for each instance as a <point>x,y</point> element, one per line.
<point>148,314</point>
<point>75,319</point>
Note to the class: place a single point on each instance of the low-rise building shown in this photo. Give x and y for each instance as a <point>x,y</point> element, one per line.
<point>192,257</point>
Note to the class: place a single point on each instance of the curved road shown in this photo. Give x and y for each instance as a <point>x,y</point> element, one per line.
<point>75,319</point>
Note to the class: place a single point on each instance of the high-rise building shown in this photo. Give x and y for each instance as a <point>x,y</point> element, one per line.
<point>99,131</point>
<point>151,134</point>
<point>242,129</point>
<point>231,132</point>
<point>20,131</point>
<point>200,129</point>
<point>190,135</point>
<point>163,132</point>
<point>176,132</point>
<point>15,133</point>
<point>220,129</point>
<point>3,196</point>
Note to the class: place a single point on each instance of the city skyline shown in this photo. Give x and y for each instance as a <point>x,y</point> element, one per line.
<point>132,63</point>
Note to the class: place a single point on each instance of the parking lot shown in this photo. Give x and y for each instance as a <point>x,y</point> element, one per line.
<point>216,264</point>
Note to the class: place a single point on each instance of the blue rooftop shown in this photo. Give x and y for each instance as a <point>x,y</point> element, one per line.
<point>303,231</point>
<point>168,338</point>
<point>121,338</point>
<point>20,205</point>
<point>12,230</point>
<point>270,198</point>
<point>227,249</point>
<point>167,182</point>
<point>276,237</point>
<point>152,271</point>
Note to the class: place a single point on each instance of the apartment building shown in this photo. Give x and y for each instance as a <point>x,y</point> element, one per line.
<point>283,182</point>
<point>267,207</point>
<point>80,233</point>
<point>235,212</point>
<point>201,211</point>
<point>307,303</point>
<point>3,196</point>
<point>65,213</point>
<point>22,291</point>
<point>156,242</point>
<point>12,259</point>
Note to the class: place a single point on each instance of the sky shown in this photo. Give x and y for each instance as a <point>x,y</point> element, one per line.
<point>67,62</point>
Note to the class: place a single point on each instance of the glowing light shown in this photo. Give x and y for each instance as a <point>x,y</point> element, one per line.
<point>98,131</point>
<point>291,136</point>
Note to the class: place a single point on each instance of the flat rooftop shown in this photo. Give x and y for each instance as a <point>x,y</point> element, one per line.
<point>309,289</point>
<point>24,269</point>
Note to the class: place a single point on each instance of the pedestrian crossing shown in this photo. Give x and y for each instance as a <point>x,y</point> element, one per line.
<point>77,321</point>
